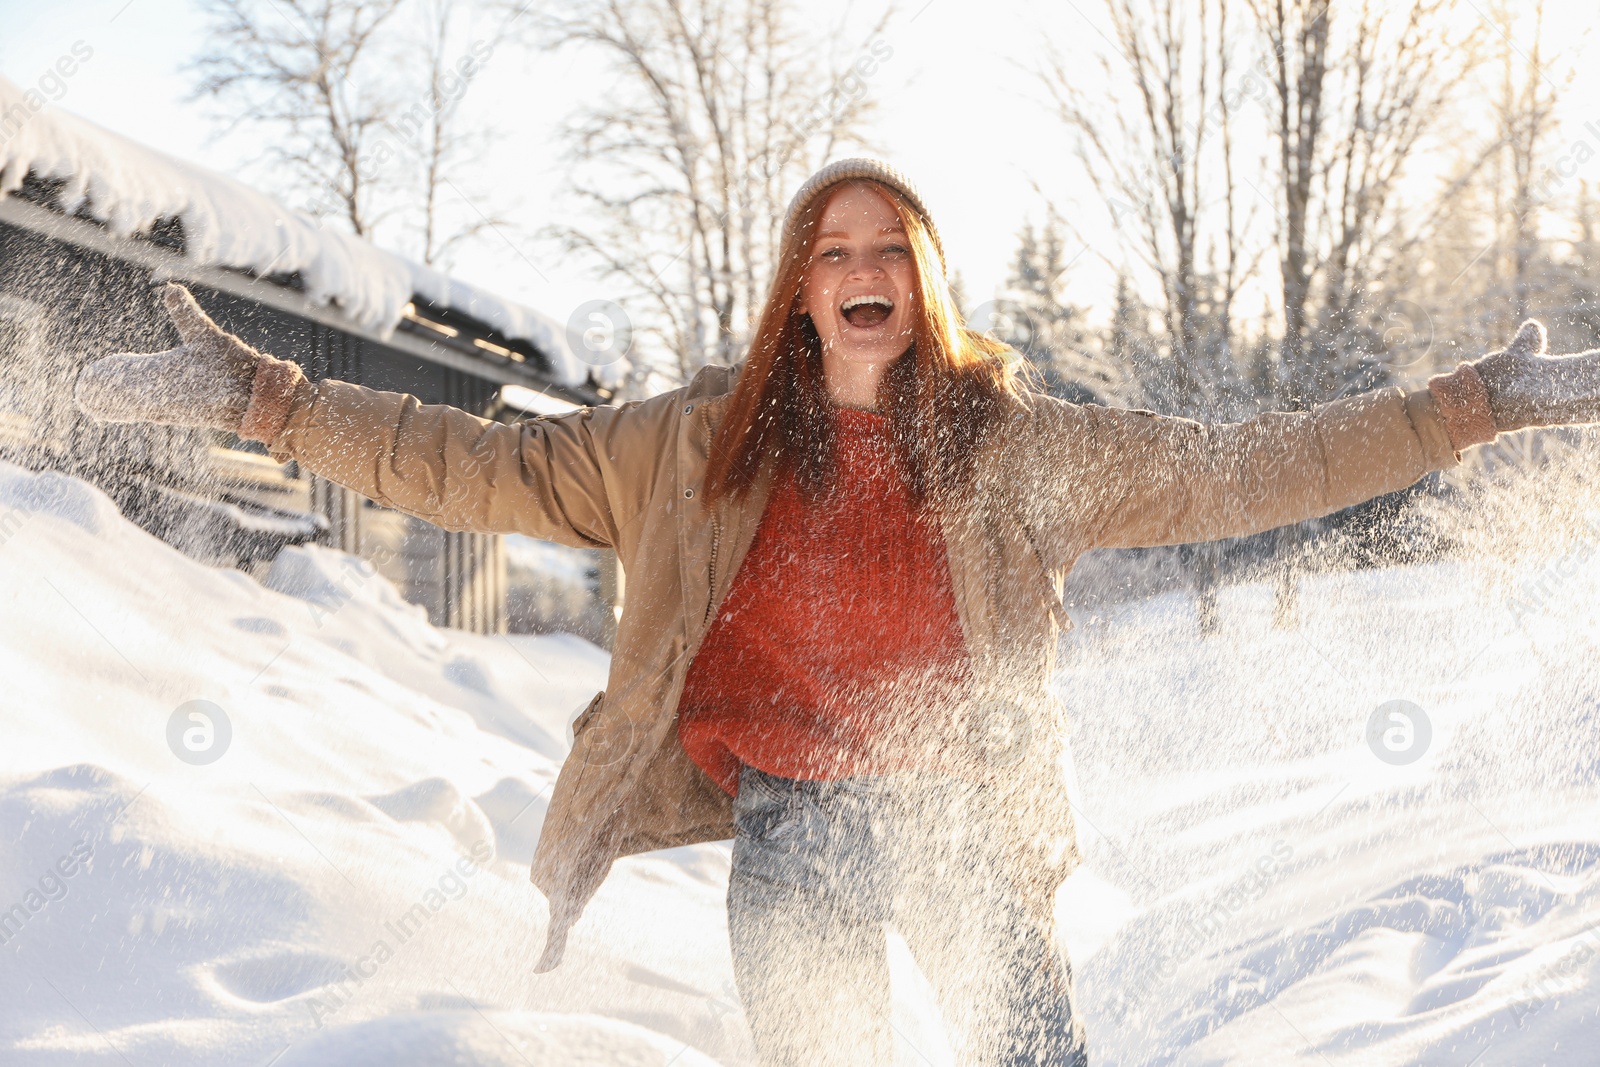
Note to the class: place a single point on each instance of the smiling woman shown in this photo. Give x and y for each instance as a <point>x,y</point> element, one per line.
<point>857,234</point>
<point>844,558</point>
<point>859,291</point>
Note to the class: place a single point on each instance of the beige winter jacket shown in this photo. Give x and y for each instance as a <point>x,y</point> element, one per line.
<point>1054,479</point>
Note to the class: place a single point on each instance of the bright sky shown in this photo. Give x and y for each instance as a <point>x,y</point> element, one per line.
<point>958,112</point>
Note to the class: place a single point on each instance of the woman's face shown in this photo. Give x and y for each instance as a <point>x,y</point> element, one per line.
<point>860,285</point>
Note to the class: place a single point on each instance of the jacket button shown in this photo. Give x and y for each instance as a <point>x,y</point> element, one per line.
<point>688,494</point>
<point>688,408</point>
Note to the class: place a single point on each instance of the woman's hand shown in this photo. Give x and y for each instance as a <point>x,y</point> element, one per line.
<point>1526,387</point>
<point>205,381</point>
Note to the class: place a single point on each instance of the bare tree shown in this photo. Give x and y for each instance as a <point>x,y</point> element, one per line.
<point>360,120</point>
<point>1525,117</point>
<point>1232,273</point>
<point>1349,109</point>
<point>1150,156</point>
<point>719,107</point>
<point>447,146</point>
<point>298,68</point>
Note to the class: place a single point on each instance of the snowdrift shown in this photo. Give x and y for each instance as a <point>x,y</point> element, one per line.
<point>329,865</point>
<point>383,786</point>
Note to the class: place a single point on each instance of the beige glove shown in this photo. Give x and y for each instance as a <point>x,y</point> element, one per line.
<point>208,380</point>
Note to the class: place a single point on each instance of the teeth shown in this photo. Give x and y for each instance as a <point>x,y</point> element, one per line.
<point>857,301</point>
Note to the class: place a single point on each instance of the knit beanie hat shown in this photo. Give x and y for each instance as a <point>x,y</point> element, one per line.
<point>844,170</point>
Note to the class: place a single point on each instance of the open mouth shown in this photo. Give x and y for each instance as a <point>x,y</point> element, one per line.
<point>866,312</point>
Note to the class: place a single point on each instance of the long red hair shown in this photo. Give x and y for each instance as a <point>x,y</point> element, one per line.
<point>940,396</point>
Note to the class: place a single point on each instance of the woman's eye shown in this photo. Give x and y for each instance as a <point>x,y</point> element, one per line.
<point>833,253</point>
<point>896,250</point>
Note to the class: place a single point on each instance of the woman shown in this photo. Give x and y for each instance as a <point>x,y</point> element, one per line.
<point>844,563</point>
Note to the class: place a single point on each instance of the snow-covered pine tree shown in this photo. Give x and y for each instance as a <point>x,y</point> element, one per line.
<point>1129,348</point>
<point>1033,316</point>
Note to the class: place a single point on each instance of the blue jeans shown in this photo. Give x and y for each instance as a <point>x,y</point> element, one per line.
<point>820,866</point>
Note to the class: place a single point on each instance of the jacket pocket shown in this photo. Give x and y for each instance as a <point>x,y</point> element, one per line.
<point>585,717</point>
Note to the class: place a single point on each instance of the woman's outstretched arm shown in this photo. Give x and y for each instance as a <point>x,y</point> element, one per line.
<point>1104,477</point>
<point>572,478</point>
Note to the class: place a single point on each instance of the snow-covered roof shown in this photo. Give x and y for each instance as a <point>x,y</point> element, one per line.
<point>129,187</point>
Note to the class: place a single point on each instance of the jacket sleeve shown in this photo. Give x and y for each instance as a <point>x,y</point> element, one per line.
<point>578,478</point>
<point>1097,477</point>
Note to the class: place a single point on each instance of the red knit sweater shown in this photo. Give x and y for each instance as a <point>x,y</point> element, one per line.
<point>838,649</point>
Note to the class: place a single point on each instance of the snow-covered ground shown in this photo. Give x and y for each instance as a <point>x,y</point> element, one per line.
<point>346,882</point>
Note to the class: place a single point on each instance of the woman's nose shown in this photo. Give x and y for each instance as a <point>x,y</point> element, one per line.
<point>865,266</point>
